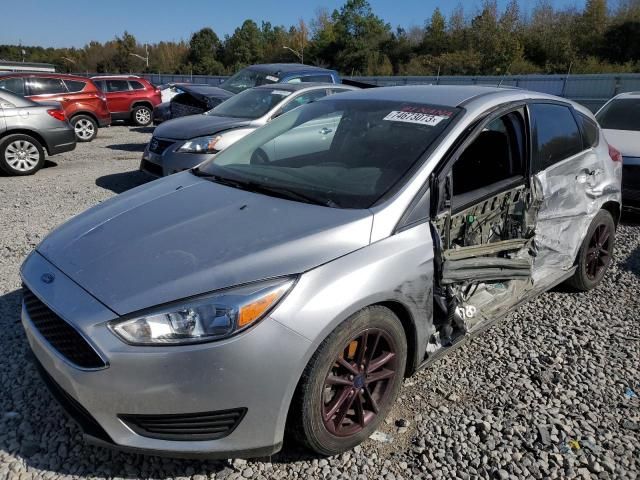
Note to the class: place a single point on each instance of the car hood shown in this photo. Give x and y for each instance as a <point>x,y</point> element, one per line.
<point>192,126</point>
<point>626,141</point>
<point>182,236</point>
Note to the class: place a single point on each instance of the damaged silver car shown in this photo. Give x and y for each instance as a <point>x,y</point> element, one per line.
<point>293,281</point>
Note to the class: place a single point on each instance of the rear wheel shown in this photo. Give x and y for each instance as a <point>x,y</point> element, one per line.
<point>351,382</point>
<point>141,116</point>
<point>596,253</point>
<point>21,155</point>
<point>85,127</point>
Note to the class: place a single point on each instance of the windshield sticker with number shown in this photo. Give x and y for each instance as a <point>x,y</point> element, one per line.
<point>415,117</point>
<point>283,93</point>
<point>271,78</point>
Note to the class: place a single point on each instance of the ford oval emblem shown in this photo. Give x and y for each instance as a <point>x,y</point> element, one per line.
<point>48,277</point>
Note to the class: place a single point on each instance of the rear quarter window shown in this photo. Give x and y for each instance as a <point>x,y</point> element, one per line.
<point>621,114</point>
<point>556,134</point>
<point>136,85</point>
<point>589,131</point>
<point>46,86</point>
<point>15,85</point>
<point>75,85</point>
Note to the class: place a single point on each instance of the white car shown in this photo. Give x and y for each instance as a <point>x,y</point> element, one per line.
<point>620,121</point>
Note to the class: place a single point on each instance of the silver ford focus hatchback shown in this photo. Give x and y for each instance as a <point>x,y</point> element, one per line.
<point>293,281</point>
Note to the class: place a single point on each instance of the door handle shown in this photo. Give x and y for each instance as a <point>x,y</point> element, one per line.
<point>325,131</point>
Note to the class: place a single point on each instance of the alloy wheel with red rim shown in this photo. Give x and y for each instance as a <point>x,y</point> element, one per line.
<point>598,252</point>
<point>359,383</point>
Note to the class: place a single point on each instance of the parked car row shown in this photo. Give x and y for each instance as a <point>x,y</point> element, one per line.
<point>293,277</point>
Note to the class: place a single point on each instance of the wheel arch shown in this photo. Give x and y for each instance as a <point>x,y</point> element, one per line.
<point>141,103</point>
<point>614,209</point>
<point>24,131</point>
<point>408,324</point>
<point>86,113</point>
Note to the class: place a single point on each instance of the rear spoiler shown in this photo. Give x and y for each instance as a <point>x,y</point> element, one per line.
<point>354,83</point>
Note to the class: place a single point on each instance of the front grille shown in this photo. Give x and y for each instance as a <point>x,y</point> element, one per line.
<point>62,336</point>
<point>186,427</point>
<point>72,408</point>
<point>151,168</point>
<point>158,146</point>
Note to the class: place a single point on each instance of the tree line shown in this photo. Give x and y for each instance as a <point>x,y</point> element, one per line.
<point>600,38</point>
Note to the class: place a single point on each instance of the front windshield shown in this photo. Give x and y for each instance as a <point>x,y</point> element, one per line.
<point>622,114</point>
<point>252,103</point>
<point>248,78</point>
<point>334,152</point>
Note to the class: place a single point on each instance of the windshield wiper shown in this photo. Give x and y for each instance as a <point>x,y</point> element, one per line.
<point>282,192</point>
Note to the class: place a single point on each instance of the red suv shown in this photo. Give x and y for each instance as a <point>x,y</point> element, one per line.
<point>129,97</point>
<point>83,102</point>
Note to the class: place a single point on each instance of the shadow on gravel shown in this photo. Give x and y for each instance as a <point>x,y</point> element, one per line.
<point>128,147</point>
<point>121,182</point>
<point>630,217</point>
<point>143,129</point>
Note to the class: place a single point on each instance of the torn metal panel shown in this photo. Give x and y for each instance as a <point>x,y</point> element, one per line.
<point>485,269</point>
<point>483,250</point>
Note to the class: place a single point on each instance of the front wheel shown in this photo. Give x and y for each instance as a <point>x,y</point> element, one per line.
<point>141,116</point>
<point>351,382</point>
<point>595,254</point>
<point>21,155</point>
<point>85,127</point>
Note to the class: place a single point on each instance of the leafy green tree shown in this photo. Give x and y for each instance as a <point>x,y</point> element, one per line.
<point>204,48</point>
<point>435,40</point>
<point>123,61</point>
<point>622,42</point>
<point>244,47</point>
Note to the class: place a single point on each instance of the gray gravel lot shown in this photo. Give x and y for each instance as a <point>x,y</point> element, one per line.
<point>547,393</point>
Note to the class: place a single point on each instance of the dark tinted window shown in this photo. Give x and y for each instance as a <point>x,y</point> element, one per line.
<point>117,86</point>
<point>75,85</point>
<point>621,114</point>
<point>495,155</point>
<point>589,131</point>
<point>15,85</point>
<point>557,134</point>
<point>136,85</point>
<point>324,78</point>
<point>43,86</point>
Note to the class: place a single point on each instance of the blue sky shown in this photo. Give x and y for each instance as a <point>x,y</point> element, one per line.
<point>66,23</point>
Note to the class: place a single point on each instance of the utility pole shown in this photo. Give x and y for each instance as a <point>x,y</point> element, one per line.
<point>146,57</point>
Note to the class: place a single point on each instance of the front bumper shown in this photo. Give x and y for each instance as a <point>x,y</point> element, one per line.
<point>256,371</point>
<point>170,161</point>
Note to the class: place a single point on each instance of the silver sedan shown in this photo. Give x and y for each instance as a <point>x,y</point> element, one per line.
<point>294,280</point>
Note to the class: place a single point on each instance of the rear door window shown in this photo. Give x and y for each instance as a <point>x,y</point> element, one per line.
<point>15,85</point>
<point>556,134</point>
<point>117,86</point>
<point>46,86</point>
<point>75,85</point>
<point>302,99</point>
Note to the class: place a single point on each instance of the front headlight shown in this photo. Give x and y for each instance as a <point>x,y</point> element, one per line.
<point>214,143</point>
<point>209,318</point>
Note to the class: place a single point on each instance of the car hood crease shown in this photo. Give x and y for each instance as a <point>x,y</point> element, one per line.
<point>193,126</point>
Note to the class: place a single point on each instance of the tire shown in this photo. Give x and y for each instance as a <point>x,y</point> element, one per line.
<point>141,116</point>
<point>21,155</point>
<point>85,127</point>
<point>317,406</point>
<point>596,251</point>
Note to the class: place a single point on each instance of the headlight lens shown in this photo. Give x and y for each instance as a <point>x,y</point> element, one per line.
<point>213,317</point>
<point>201,145</point>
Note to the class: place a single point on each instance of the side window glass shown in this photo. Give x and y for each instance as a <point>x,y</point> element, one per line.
<point>294,80</point>
<point>318,78</point>
<point>15,85</point>
<point>136,85</point>
<point>496,154</point>
<point>117,86</point>
<point>556,134</point>
<point>303,99</point>
<point>75,85</point>
<point>44,86</point>
<point>589,131</point>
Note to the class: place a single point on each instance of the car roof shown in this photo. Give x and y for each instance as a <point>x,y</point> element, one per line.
<point>45,74</point>
<point>119,77</point>
<point>627,95</point>
<point>294,87</point>
<point>447,95</point>
<point>287,68</point>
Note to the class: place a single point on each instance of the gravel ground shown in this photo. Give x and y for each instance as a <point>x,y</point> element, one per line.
<point>548,393</point>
